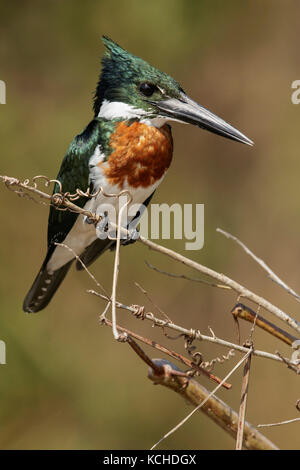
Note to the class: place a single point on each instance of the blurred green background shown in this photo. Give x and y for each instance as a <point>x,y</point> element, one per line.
<point>67,384</point>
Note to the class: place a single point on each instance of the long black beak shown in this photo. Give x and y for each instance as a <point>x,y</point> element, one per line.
<point>186,110</point>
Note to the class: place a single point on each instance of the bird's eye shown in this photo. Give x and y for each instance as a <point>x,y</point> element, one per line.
<point>147,89</point>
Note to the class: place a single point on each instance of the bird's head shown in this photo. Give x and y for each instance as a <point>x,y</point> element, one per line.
<point>130,88</point>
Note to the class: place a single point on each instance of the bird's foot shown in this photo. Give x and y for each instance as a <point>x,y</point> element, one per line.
<point>102,226</point>
<point>133,236</point>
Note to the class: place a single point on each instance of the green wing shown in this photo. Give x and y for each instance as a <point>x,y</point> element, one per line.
<point>73,174</point>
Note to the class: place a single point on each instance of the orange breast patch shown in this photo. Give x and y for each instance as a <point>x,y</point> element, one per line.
<point>141,154</point>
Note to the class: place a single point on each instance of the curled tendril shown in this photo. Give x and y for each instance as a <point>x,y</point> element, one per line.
<point>197,356</point>
<point>139,311</point>
<point>209,365</point>
<point>9,182</point>
<point>21,191</point>
<point>188,344</point>
<point>59,198</point>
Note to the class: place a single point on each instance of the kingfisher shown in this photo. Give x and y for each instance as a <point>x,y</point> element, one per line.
<point>128,145</point>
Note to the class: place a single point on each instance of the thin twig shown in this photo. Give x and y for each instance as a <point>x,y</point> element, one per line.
<point>187,278</point>
<point>289,364</point>
<point>288,421</point>
<point>83,265</point>
<point>152,302</point>
<point>273,276</point>
<point>243,404</point>
<point>117,265</point>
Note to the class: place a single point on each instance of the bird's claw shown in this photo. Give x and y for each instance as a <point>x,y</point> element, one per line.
<point>133,236</point>
<point>102,226</point>
<point>88,220</point>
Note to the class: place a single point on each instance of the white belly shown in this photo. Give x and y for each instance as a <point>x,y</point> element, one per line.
<point>83,234</point>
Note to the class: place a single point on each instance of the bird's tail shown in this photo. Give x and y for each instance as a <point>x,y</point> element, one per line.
<point>44,287</point>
